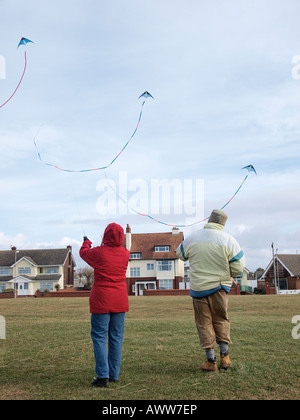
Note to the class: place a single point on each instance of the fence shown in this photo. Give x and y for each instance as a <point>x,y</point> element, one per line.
<point>289,292</point>
<point>63,293</point>
<point>8,295</point>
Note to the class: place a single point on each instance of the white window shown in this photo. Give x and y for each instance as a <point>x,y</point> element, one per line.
<point>166,284</point>
<point>51,270</point>
<point>150,266</point>
<point>165,265</point>
<point>135,255</point>
<point>5,271</point>
<point>135,272</point>
<point>2,287</point>
<point>24,270</point>
<point>162,248</point>
<point>46,285</point>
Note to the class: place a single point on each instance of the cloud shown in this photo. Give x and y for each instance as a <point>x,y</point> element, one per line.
<point>224,96</point>
<point>6,241</point>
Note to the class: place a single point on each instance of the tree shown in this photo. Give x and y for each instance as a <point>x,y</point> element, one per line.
<point>259,272</point>
<point>86,276</point>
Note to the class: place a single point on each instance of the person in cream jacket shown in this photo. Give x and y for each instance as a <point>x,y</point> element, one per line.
<point>214,258</point>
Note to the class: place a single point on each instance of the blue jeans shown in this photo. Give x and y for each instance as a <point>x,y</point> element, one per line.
<point>108,329</point>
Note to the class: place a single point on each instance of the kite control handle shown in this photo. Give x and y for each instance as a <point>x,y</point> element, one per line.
<point>86,241</point>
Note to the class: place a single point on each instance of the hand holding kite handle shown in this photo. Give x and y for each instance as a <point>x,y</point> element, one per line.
<point>85,238</point>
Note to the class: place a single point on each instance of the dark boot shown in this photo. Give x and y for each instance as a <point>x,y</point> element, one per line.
<point>101,382</point>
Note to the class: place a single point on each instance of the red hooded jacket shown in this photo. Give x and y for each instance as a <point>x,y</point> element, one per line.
<point>109,261</point>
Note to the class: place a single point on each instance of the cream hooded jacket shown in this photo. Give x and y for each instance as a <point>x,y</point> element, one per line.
<point>214,257</point>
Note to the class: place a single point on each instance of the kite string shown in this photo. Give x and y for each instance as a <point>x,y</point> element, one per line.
<point>92,169</point>
<point>18,83</point>
<point>79,213</point>
<point>164,223</point>
<point>235,193</point>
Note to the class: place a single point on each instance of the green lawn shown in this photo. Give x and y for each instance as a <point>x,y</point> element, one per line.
<point>48,354</point>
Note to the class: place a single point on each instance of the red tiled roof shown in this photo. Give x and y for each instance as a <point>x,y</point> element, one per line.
<point>146,242</point>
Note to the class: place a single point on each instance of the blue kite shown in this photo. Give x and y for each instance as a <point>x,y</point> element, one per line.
<point>250,168</point>
<point>24,41</point>
<point>146,95</point>
<point>102,167</point>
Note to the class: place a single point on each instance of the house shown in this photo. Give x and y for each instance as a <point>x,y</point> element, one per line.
<point>285,268</point>
<point>29,270</point>
<point>246,285</point>
<point>253,278</point>
<point>153,262</point>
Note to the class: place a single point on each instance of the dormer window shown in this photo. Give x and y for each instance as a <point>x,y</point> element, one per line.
<point>51,270</point>
<point>24,270</point>
<point>135,255</point>
<point>162,248</point>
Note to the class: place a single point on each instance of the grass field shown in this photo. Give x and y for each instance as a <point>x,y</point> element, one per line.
<point>48,354</point>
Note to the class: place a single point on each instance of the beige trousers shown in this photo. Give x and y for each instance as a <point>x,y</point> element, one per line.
<point>211,319</point>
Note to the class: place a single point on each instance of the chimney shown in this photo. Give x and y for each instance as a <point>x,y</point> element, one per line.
<point>69,247</point>
<point>175,231</point>
<point>128,237</point>
<point>14,249</point>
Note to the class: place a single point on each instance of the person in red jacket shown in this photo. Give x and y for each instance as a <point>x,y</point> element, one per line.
<point>108,301</point>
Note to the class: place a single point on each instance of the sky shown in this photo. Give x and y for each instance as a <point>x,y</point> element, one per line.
<point>225,78</point>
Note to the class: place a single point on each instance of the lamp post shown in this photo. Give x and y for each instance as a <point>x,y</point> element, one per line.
<point>14,249</point>
<point>274,268</point>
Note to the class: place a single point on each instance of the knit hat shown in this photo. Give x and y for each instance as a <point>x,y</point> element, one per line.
<point>218,216</point>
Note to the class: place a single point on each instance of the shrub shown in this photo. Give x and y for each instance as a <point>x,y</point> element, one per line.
<point>8,291</point>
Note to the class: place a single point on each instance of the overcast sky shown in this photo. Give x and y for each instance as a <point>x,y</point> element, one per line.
<point>226,88</point>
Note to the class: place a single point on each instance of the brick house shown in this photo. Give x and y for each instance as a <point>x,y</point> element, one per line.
<point>29,270</point>
<point>287,272</point>
<point>153,262</point>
